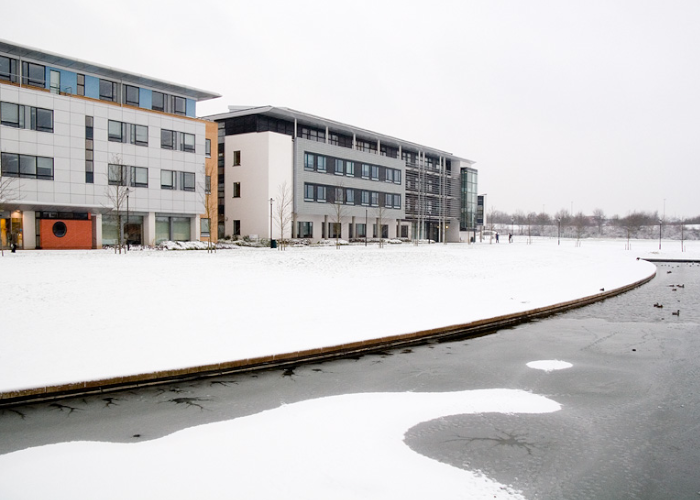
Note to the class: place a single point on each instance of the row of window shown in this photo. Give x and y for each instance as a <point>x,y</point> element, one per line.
<point>337,166</point>
<point>27,166</point>
<point>124,175</point>
<point>35,75</point>
<point>127,133</point>
<point>334,230</point>
<point>28,117</point>
<point>348,196</point>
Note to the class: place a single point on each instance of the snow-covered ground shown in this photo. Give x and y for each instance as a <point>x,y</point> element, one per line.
<point>72,316</point>
<point>79,315</point>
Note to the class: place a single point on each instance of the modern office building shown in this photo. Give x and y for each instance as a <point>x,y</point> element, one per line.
<point>343,181</point>
<point>90,152</point>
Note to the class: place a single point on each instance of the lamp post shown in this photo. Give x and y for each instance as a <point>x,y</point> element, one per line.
<point>660,224</point>
<point>366,225</point>
<point>510,236</point>
<point>127,218</point>
<point>559,230</point>
<point>271,200</point>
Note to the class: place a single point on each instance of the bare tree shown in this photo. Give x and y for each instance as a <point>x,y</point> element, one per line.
<point>283,211</point>
<point>210,209</point>
<point>7,192</point>
<point>117,194</point>
<point>579,222</point>
<point>599,218</point>
<point>380,215</point>
<point>339,211</point>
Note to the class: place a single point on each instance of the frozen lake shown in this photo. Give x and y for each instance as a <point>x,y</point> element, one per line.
<point>626,377</point>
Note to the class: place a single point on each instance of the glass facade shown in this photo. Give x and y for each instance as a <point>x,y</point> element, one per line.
<point>468,188</point>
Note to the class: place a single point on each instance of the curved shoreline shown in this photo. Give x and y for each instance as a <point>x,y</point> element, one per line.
<point>465,330</point>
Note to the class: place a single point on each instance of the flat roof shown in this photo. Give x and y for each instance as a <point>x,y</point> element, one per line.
<point>80,66</point>
<point>306,118</point>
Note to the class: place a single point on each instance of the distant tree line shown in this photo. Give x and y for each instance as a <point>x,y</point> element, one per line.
<point>580,225</point>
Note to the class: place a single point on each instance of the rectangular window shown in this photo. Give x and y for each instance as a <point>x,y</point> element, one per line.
<point>132,95</point>
<point>27,117</point>
<point>89,128</point>
<point>375,199</point>
<point>350,168</point>
<point>334,230</point>
<point>365,171</point>
<point>116,131</point>
<point>321,163</point>
<point>32,167</point>
<point>305,230</point>
<point>167,139</point>
<point>389,174</point>
<point>236,158</point>
<point>168,179</point>
<point>10,114</point>
<point>204,226</point>
<point>207,184</point>
<point>116,175</point>
<point>89,172</point>
<point>388,200</point>
<point>33,74</point>
<point>236,189</point>
<point>236,228</point>
<point>308,161</point>
<point>179,105</point>
<point>375,173</point>
<point>339,170</point>
<point>397,201</point>
<point>397,176</point>
<point>81,84</point>
<point>349,196</point>
<point>339,195</point>
<point>404,231</point>
<point>139,177</point>
<point>139,135</point>
<point>207,148</point>
<point>187,142</point>
<point>8,69</point>
<point>308,192</point>
<point>108,91</point>
<point>321,194</point>
<point>187,181</point>
<point>365,198</point>
<point>361,230</point>
<point>42,120</point>
<point>158,101</point>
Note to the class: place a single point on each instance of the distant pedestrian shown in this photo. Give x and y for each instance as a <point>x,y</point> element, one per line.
<point>496,237</point>
<point>510,238</point>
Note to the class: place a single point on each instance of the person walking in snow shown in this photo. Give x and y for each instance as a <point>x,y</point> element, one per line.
<point>496,237</point>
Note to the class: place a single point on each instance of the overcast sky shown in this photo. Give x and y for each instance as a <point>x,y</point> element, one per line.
<point>588,104</point>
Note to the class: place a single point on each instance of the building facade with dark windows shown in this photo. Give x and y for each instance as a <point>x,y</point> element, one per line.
<point>90,152</point>
<point>343,181</point>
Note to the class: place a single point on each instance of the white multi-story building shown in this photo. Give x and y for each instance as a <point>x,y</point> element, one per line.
<point>89,152</point>
<point>343,181</point>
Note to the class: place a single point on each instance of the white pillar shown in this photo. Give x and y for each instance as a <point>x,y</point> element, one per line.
<point>149,229</point>
<point>194,228</point>
<point>97,230</point>
<point>29,229</point>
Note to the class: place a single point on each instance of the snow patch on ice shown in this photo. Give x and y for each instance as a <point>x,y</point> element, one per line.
<point>549,365</point>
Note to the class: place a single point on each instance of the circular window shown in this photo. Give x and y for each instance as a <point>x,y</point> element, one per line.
<point>59,229</point>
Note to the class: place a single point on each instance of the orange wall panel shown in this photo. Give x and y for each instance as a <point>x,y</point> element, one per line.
<point>78,235</point>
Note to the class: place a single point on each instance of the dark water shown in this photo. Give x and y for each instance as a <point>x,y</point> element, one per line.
<point>629,425</point>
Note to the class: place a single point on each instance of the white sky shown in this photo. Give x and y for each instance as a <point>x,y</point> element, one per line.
<point>587,105</point>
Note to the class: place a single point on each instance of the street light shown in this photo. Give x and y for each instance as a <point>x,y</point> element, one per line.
<point>660,224</point>
<point>127,218</point>
<point>510,236</point>
<point>271,200</point>
<point>559,230</point>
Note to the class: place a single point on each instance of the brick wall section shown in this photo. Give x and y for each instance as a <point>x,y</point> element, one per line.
<point>78,235</point>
